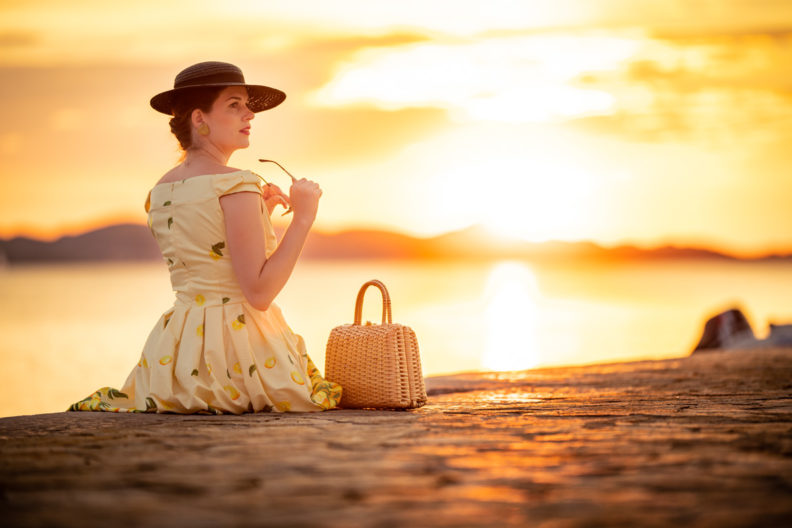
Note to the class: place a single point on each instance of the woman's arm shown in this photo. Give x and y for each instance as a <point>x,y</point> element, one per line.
<point>260,278</point>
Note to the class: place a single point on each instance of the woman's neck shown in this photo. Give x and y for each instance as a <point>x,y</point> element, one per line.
<point>202,155</point>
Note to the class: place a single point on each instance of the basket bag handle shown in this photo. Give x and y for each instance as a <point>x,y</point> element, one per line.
<point>386,302</point>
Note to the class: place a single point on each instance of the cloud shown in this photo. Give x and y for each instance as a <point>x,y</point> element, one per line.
<point>90,32</point>
<point>782,29</point>
<point>520,78</point>
<point>716,90</point>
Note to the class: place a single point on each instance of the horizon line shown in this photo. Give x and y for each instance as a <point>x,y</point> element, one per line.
<point>624,243</point>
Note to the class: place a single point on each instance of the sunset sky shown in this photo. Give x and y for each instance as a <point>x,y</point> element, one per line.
<point>616,121</point>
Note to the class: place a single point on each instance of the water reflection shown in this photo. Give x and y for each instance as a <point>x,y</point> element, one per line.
<point>69,327</point>
<point>513,397</point>
<point>511,297</point>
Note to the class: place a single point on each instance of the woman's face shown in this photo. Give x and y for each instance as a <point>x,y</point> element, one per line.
<point>229,120</point>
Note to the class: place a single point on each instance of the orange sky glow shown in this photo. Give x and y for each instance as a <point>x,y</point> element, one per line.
<point>540,120</point>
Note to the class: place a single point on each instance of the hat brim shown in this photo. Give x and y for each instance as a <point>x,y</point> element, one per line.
<point>260,97</point>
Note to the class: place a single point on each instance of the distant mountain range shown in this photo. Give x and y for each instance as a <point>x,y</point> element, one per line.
<point>134,242</point>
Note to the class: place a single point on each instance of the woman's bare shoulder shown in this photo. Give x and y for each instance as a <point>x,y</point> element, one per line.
<point>171,175</point>
<point>179,172</point>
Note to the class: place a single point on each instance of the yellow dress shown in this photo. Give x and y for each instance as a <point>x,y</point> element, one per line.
<point>212,352</point>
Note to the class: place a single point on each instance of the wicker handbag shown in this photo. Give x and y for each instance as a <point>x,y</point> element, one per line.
<point>377,366</point>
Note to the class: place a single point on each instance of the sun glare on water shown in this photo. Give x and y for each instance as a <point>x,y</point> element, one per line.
<point>511,317</point>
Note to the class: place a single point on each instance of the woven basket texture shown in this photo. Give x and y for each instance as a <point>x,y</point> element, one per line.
<point>377,366</point>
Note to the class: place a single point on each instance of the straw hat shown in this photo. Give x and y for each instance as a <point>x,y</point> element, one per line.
<point>213,73</point>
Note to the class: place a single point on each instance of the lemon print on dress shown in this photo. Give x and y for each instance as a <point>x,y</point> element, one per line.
<point>296,378</point>
<point>217,250</point>
<point>237,368</point>
<point>239,322</point>
<point>164,360</point>
<point>320,400</point>
<point>143,363</point>
<point>209,367</point>
<point>283,406</point>
<point>200,299</point>
<point>199,331</point>
<point>270,362</point>
<point>232,391</point>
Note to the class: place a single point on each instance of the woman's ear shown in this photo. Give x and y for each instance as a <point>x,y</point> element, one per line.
<point>197,118</point>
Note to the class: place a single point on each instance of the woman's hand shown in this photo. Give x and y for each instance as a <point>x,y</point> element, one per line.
<point>273,195</point>
<point>304,198</point>
<point>260,277</point>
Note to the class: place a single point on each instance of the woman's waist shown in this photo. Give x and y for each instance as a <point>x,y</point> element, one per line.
<point>207,297</point>
<point>189,301</point>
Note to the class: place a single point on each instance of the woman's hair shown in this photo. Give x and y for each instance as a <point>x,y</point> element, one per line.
<point>183,105</point>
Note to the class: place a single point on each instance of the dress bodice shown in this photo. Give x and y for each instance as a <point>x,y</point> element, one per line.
<point>187,222</point>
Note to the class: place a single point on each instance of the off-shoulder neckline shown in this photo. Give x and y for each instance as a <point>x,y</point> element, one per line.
<point>157,186</point>
<point>200,176</point>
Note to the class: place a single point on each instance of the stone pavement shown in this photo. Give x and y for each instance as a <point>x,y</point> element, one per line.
<point>699,441</point>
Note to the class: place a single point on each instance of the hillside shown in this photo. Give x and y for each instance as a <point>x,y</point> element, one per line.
<point>134,242</point>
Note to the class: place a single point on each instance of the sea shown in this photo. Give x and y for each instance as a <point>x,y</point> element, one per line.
<point>69,329</point>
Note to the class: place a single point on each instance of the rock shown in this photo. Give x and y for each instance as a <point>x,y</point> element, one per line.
<point>729,329</point>
<point>780,335</point>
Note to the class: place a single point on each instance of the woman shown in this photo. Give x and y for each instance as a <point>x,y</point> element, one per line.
<point>224,346</point>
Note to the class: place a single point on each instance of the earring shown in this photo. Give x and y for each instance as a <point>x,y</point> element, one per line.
<point>203,129</point>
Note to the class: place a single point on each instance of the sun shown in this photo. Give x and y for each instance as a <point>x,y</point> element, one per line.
<point>528,198</point>
<point>541,201</point>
